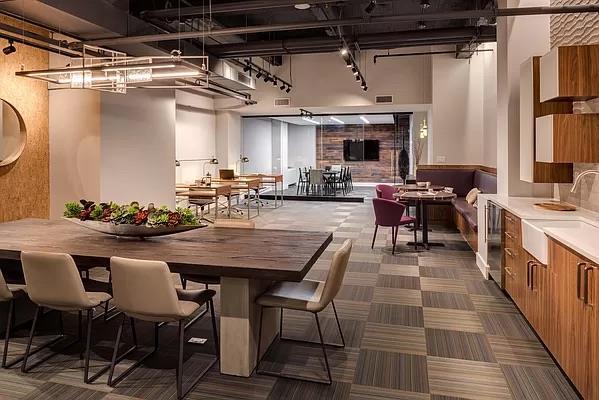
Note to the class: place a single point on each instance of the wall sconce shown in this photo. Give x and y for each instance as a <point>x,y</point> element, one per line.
<point>242,160</point>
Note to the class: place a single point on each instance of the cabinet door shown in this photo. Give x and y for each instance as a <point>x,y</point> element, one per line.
<point>593,284</point>
<point>572,316</point>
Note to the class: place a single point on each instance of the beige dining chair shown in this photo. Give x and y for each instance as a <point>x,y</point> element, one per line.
<point>9,293</point>
<point>144,290</point>
<point>310,296</point>
<point>54,282</point>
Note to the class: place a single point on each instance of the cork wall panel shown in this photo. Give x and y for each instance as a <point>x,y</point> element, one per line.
<point>329,150</point>
<point>24,185</point>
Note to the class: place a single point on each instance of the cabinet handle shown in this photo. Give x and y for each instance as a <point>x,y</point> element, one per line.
<point>509,235</point>
<point>508,252</point>
<point>532,274</point>
<point>586,284</point>
<point>529,274</point>
<point>579,268</point>
<point>508,271</point>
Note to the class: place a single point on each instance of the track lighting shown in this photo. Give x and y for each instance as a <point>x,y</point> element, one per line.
<point>266,78</point>
<point>346,57</point>
<point>259,74</point>
<point>363,85</point>
<point>247,67</point>
<point>288,89</point>
<point>354,70</point>
<point>370,7</point>
<point>274,82</point>
<point>358,79</point>
<point>425,3</point>
<point>421,25</point>
<point>10,48</point>
<point>282,87</point>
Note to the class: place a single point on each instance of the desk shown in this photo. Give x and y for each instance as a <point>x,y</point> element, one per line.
<point>242,183</point>
<point>269,179</point>
<point>422,200</point>
<point>213,191</point>
<point>247,262</point>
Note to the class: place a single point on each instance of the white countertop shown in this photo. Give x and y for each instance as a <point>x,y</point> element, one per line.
<point>580,232</point>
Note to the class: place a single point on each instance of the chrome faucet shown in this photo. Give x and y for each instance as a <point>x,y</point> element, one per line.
<point>582,175</point>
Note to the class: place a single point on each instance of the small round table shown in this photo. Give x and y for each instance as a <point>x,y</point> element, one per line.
<point>422,200</point>
<point>415,188</point>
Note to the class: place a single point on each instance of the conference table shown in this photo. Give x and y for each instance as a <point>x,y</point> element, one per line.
<point>247,262</point>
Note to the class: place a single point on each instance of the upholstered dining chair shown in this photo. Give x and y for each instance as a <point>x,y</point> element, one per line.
<point>54,282</point>
<point>9,293</point>
<point>310,296</point>
<point>386,192</point>
<point>144,290</point>
<point>391,213</point>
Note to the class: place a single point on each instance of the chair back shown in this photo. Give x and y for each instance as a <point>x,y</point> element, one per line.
<point>5,293</point>
<point>316,177</point>
<point>388,212</point>
<point>301,176</point>
<point>53,280</point>
<point>336,274</point>
<point>385,192</point>
<point>144,288</point>
<point>336,167</point>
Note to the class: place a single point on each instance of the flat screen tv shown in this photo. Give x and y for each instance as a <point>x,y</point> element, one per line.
<point>361,150</point>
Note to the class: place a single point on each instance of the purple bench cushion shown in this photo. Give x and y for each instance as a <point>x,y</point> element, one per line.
<point>468,211</point>
<point>461,180</point>
<point>486,182</point>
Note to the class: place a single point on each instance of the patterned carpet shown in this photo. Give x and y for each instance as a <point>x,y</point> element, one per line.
<point>418,325</point>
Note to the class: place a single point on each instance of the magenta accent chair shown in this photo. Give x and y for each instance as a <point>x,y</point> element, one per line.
<point>391,213</point>
<point>386,192</point>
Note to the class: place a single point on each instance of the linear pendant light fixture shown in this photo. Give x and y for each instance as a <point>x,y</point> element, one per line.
<point>116,71</point>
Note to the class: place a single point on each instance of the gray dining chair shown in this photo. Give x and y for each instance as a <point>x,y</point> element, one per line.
<point>9,293</point>
<point>144,290</point>
<point>316,180</point>
<point>54,282</point>
<point>310,296</point>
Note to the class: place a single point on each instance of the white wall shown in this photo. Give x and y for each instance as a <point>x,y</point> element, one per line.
<point>257,144</point>
<point>195,135</point>
<point>459,103</point>
<point>518,38</point>
<point>490,105</point>
<point>74,129</point>
<point>228,138</point>
<point>302,146</point>
<point>138,147</point>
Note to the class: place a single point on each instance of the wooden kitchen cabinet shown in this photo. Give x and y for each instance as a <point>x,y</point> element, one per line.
<point>515,273</point>
<point>531,169</point>
<point>570,138</point>
<point>570,73</point>
<point>536,296</point>
<point>573,297</point>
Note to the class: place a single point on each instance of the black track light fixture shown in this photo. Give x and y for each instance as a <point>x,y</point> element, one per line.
<point>358,78</point>
<point>354,70</point>
<point>288,89</point>
<point>363,85</point>
<point>282,87</point>
<point>266,78</point>
<point>10,48</point>
<point>259,74</point>
<point>370,7</point>
<point>247,67</point>
<point>274,82</point>
<point>346,57</point>
<point>425,4</point>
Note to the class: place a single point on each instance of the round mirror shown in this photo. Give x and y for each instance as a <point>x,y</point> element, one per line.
<point>12,134</point>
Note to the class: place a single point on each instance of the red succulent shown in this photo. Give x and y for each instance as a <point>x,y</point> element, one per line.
<point>141,217</point>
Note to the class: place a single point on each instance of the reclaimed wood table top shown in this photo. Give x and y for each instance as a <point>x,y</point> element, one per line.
<point>255,254</point>
<point>428,196</point>
<point>413,187</point>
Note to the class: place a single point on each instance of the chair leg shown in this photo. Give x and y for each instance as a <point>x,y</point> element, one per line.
<point>38,311</point>
<point>112,381</point>
<point>281,324</point>
<point>179,371</point>
<point>338,324</point>
<point>395,238</point>
<point>259,340</point>
<point>376,228</point>
<point>9,322</point>
<point>415,238</point>
<point>184,283</point>
<point>116,350</point>
<point>324,350</point>
<point>214,330</point>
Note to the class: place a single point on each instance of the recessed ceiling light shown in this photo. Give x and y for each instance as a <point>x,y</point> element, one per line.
<point>302,6</point>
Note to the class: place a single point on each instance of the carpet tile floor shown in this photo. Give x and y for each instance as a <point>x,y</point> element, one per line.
<point>418,326</point>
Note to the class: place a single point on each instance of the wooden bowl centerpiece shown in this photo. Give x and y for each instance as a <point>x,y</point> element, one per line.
<point>130,220</point>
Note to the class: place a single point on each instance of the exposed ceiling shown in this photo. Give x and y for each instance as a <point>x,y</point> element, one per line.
<point>348,119</point>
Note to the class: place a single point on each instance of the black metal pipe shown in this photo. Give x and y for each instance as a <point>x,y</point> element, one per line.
<point>428,53</point>
<point>228,8</point>
<point>447,15</point>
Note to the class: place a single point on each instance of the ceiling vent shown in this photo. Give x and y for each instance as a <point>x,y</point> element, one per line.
<point>228,76</point>
<point>388,99</point>
<point>283,102</point>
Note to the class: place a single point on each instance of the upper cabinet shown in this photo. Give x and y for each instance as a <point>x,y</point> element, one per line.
<point>531,169</point>
<point>572,138</point>
<point>570,73</point>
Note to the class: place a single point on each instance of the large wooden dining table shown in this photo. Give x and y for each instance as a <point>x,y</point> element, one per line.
<point>247,262</point>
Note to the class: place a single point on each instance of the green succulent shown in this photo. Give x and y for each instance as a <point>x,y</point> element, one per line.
<point>187,216</point>
<point>97,213</point>
<point>72,210</point>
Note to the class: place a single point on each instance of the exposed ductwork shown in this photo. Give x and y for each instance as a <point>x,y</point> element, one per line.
<point>447,15</point>
<point>364,42</point>
<point>230,8</point>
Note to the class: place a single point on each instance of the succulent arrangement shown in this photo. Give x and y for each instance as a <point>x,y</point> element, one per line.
<point>132,214</point>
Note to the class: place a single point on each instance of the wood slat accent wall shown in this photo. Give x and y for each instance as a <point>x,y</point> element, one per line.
<point>329,150</point>
<point>24,185</point>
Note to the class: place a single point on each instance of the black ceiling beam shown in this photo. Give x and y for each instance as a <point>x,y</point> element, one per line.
<point>443,15</point>
<point>365,42</point>
<point>229,8</point>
